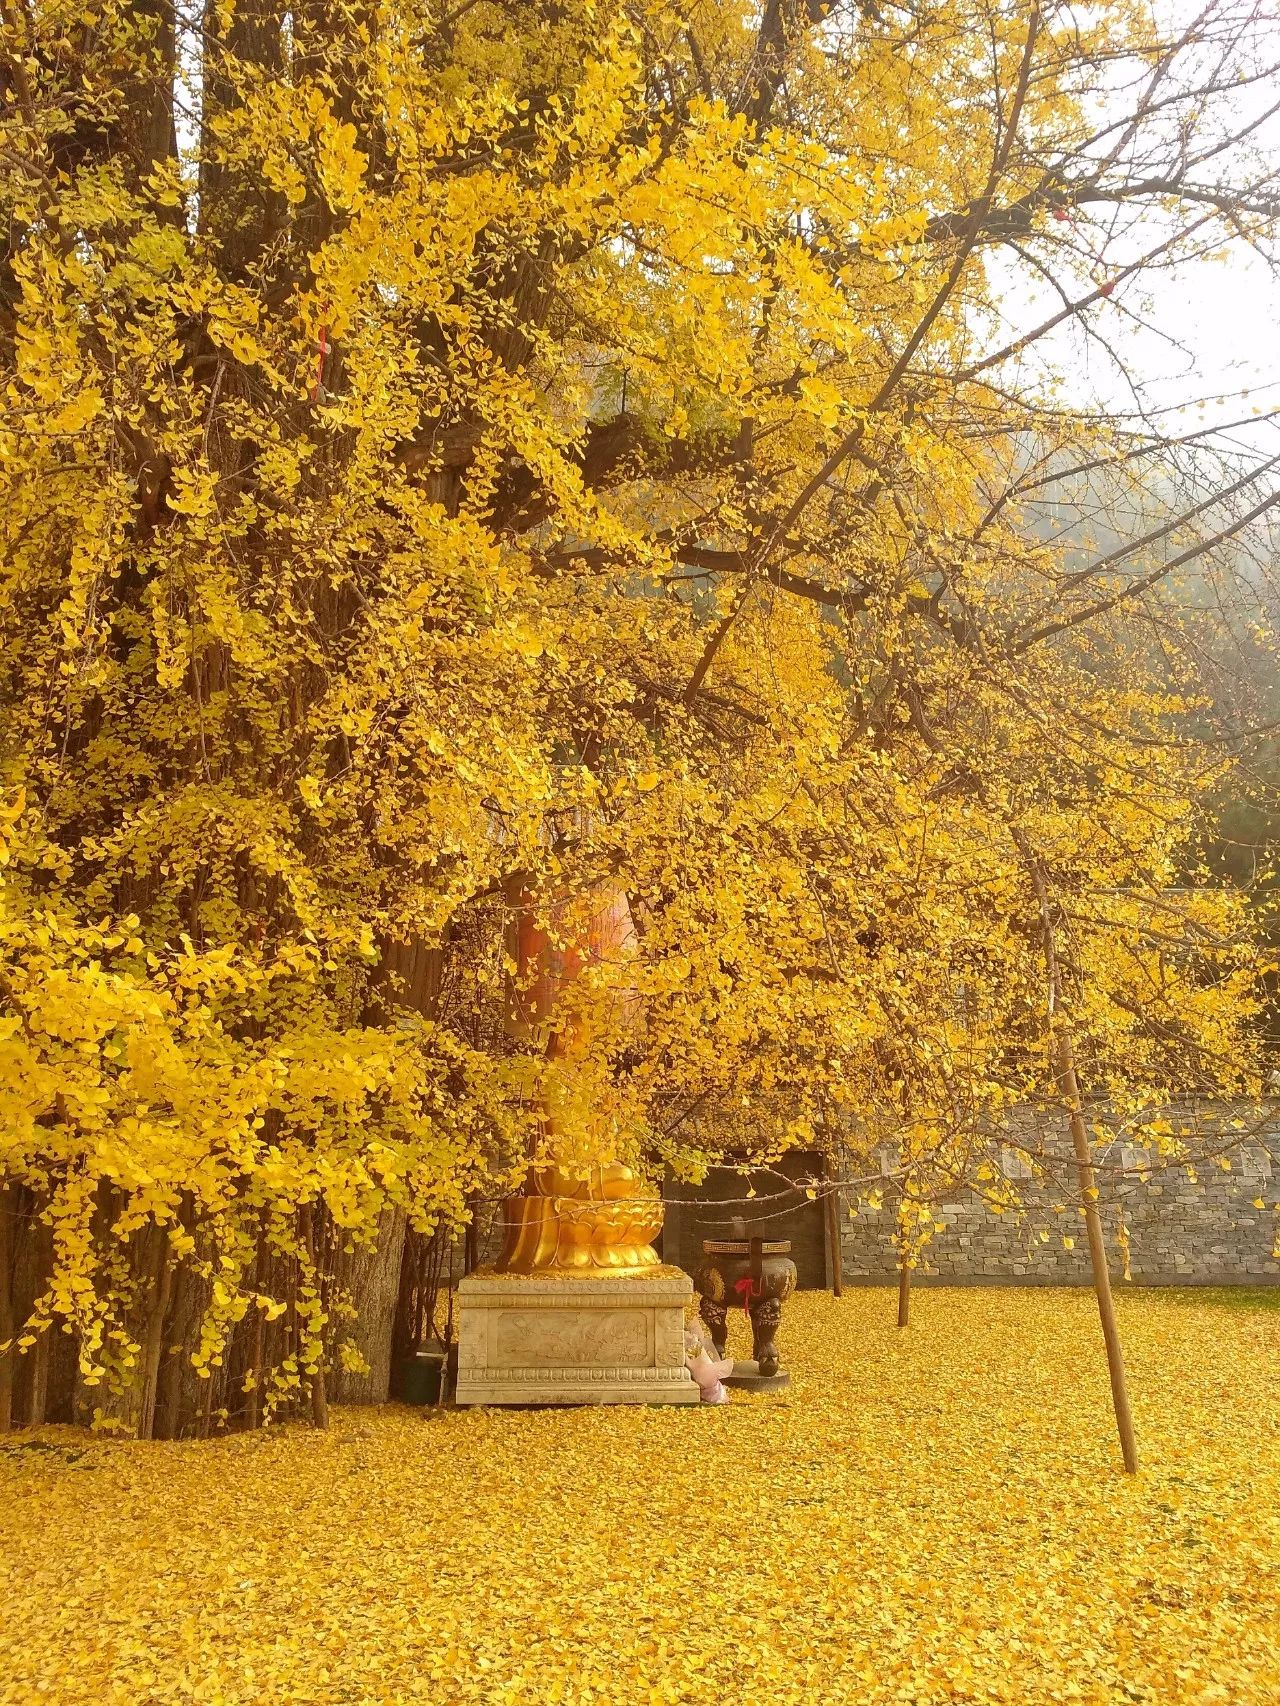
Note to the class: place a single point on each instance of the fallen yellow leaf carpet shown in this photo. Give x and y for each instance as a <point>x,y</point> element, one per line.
<point>928,1516</point>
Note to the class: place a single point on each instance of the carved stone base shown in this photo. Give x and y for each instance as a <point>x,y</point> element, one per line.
<point>609,1339</point>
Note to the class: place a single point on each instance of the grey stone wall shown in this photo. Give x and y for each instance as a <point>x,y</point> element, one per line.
<point>1182,1230</point>
<point>1186,1226</point>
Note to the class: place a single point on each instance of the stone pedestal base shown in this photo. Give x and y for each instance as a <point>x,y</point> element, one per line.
<point>536,1339</point>
<point>747,1377</point>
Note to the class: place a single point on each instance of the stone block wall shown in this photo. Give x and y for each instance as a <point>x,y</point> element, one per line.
<point>1197,1226</point>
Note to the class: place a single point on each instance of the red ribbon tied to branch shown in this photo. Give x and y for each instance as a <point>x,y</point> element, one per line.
<point>322,355</point>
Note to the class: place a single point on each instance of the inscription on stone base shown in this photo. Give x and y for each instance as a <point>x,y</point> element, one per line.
<point>534,1338</point>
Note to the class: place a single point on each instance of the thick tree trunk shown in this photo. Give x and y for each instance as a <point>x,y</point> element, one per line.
<point>8,1324</point>
<point>61,1354</point>
<point>409,976</point>
<point>319,1402</point>
<point>39,1398</point>
<point>153,1344</point>
<point>237,208</point>
<point>180,1395</point>
<point>373,1279</point>
<point>319,1398</point>
<point>33,1265</point>
<point>257,1341</point>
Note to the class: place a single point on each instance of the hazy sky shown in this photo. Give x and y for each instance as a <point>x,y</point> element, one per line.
<point>1209,328</point>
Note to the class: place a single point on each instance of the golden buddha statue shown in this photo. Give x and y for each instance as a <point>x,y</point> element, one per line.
<point>588,1215</point>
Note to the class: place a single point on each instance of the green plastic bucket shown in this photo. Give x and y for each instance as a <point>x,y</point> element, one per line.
<point>420,1379</point>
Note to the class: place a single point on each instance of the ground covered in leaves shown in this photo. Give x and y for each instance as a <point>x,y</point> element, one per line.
<point>928,1516</point>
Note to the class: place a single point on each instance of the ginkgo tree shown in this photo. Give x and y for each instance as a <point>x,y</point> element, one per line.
<point>444,447</point>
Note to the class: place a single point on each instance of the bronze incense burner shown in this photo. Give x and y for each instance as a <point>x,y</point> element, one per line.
<point>758,1276</point>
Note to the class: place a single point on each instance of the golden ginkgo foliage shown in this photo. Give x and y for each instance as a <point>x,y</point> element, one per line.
<point>444,447</point>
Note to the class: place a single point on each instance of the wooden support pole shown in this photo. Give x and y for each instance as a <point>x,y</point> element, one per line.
<point>442,1390</point>
<point>831,1207</point>
<point>904,1291</point>
<point>1069,1085</point>
<point>1098,1253</point>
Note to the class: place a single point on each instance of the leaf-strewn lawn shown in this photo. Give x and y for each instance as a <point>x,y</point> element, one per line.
<point>928,1516</point>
